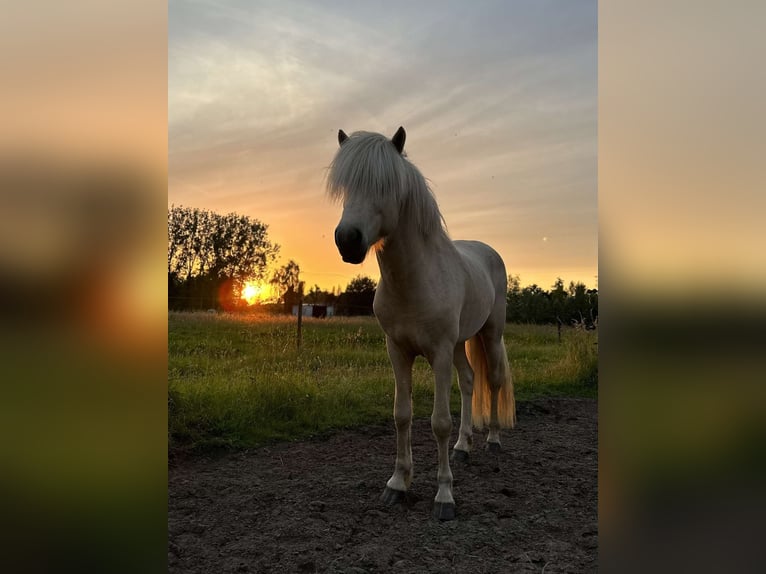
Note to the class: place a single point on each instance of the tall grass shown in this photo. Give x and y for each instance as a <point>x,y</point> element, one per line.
<point>238,380</point>
<point>542,366</point>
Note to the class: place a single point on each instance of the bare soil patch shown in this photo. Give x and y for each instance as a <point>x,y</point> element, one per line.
<point>313,506</point>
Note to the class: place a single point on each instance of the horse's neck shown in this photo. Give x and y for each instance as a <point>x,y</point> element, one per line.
<point>407,257</point>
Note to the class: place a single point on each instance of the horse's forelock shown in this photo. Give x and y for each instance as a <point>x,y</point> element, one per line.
<point>368,165</point>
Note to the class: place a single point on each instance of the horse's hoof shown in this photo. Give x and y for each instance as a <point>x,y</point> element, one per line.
<point>444,510</point>
<point>460,456</point>
<point>494,447</point>
<point>391,496</point>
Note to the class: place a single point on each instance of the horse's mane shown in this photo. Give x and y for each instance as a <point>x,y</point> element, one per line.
<point>368,165</point>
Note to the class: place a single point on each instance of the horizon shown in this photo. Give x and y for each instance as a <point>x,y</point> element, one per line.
<point>249,292</point>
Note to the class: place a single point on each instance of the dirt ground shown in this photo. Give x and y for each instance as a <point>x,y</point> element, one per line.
<point>313,506</point>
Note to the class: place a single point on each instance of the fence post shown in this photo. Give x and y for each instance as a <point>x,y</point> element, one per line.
<point>300,312</point>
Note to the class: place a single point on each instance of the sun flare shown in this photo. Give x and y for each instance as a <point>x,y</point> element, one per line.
<point>255,292</point>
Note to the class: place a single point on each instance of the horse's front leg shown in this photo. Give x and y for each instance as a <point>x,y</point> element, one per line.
<point>402,477</point>
<point>441,425</point>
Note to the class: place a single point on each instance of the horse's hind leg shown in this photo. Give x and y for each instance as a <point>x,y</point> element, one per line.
<point>402,477</point>
<point>496,374</point>
<point>465,381</point>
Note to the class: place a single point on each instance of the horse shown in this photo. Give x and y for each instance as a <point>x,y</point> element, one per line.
<point>437,298</point>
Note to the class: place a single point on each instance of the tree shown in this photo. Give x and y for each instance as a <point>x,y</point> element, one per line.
<point>513,299</point>
<point>211,255</point>
<point>558,298</point>
<point>187,235</point>
<point>287,280</point>
<point>580,303</point>
<point>535,305</point>
<point>314,295</point>
<point>361,284</point>
<point>358,297</point>
<point>237,251</point>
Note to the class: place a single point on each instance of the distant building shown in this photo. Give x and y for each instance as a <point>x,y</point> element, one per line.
<point>313,310</point>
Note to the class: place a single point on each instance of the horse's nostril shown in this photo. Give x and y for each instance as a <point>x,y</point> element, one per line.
<point>351,243</point>
<point>348,236</point>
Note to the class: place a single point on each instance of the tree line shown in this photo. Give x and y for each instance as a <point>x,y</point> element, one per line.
<point>211,256</point>
<point>573,305</point>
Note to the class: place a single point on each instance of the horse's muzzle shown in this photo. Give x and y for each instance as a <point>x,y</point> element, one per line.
<point>351,244</point>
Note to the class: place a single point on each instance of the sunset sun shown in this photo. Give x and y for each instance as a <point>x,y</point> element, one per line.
<point>254,292</point>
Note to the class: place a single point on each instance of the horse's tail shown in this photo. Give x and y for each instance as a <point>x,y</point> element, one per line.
<point>482,392</point>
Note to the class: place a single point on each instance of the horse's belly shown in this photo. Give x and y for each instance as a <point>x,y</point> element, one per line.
<point>421,334</point>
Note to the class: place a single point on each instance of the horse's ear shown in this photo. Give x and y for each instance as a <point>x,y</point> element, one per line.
<point>398,139</point>
<point>341,137</point>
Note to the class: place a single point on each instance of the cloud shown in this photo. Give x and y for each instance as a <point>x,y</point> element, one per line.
<point>498,99</point>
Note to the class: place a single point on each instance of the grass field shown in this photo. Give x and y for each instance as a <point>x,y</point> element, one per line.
<point>238,380</point>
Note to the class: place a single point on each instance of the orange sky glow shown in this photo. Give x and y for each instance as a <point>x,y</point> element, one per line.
<point>499,103</point>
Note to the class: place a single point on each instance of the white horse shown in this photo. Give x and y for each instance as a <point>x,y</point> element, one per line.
<point>442,299</point>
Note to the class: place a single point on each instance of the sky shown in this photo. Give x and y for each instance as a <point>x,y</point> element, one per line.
<point>498,98</point>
